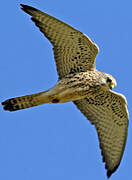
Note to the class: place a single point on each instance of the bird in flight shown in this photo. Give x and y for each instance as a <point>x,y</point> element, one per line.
<point>79,81</point>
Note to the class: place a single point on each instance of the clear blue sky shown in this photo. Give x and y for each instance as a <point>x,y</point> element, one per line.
<point>56,142</point>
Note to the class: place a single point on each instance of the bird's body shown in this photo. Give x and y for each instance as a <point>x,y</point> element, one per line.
<point>79,81</point>
<point>72,87</point>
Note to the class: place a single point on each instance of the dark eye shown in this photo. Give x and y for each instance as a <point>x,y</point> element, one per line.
<point>108,80</point>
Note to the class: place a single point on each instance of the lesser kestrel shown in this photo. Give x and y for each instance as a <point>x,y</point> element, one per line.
<point>79,81</point>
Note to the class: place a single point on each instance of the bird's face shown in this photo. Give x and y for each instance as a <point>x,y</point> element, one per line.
<point>110,81</point>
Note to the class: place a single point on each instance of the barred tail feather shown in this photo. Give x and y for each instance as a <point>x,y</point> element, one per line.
<point>24,102</point>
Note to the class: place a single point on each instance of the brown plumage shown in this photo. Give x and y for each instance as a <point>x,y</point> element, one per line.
<point>80,82</point>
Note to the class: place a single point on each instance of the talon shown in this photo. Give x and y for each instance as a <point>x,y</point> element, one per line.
<point>55,101</point>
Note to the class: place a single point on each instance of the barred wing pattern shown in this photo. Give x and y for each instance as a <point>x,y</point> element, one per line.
<point>108,111</point>
<point>73,51</point>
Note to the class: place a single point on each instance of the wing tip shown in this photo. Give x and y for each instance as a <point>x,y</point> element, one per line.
<point>28,9</point>
<point>110,172</point>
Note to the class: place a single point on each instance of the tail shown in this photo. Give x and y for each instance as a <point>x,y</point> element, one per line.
<point>24,102</point>
<point>58,94</point>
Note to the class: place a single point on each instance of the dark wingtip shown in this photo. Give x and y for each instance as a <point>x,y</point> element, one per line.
<point>28,9</point>
<point>9,105</point>
<point>110,172</point>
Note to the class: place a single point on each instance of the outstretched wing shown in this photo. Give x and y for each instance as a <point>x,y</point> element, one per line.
<point>73,51</point>
<point>108,111</point>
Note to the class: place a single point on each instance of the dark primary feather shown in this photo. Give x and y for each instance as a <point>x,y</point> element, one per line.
<point>28,9</point>
<point>110,172</point>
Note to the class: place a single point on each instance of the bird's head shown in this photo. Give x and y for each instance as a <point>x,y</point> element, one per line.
<point>110,81</point>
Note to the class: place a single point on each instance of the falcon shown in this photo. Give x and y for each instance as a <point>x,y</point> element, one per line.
<point>79,81</point>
